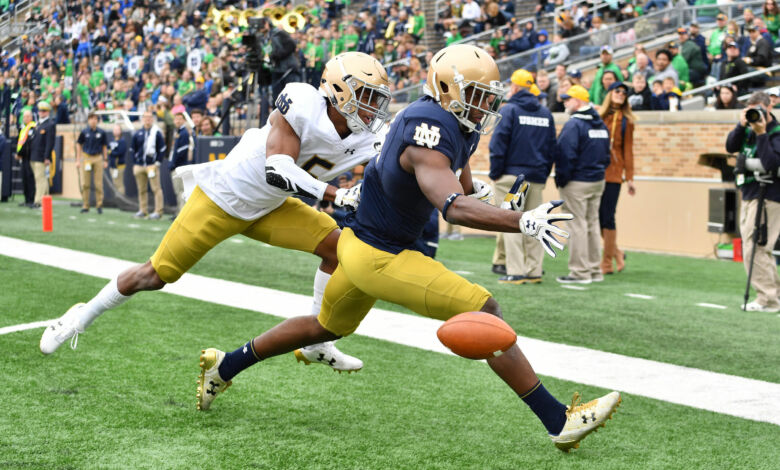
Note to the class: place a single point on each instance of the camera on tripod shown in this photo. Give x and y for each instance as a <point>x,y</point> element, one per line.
<point>253,40</point>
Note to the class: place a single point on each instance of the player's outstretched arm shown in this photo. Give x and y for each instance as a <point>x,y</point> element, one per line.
<point>442,188</point>
<point>282,149</point>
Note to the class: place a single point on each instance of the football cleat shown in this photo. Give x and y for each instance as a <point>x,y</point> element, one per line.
<point>64,328</point>
<point>210,384</point>
<point>329,355</point>
<point>582,419</point>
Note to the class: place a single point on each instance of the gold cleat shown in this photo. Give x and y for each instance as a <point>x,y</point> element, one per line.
<point>210,384</point>
<point>582,419</point>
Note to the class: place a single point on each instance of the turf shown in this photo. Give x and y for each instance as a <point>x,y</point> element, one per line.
<point>669,328</point>
<point>125,399</point>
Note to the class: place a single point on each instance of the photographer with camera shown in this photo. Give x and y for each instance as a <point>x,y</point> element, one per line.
<point>284,60</point>
<point>757,139</point>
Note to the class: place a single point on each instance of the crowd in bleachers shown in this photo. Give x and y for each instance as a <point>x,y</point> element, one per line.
<point>137,55</point>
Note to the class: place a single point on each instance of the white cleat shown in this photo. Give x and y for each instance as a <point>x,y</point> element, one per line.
<point>329,355</point>
<point>63,329</point>
<point>581,420</point>
<point>210,384</point>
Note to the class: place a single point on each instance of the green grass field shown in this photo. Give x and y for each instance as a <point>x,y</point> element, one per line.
<point>126,397</point>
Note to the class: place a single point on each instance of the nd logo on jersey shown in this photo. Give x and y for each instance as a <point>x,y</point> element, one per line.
<point>283,103</point>
<point>425,136</point>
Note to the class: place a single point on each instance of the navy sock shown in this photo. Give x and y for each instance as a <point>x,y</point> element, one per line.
<point>550,411</point>
<point>237,361</point>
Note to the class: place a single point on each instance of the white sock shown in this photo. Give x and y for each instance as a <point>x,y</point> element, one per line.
<point>320,281</point>
<point>108,298</point>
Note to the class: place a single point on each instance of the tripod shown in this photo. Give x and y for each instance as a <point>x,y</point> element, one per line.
<point>759,236</point>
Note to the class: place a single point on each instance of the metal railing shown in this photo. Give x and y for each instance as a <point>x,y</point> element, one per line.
<point>20,8</point>
<point>563,8</point>
<point>584,47</point>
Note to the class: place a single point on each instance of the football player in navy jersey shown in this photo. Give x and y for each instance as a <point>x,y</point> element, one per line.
<point>424,164</point>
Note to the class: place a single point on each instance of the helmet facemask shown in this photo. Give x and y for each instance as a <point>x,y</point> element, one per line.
<point>476,95</point>
<point>367,98</point>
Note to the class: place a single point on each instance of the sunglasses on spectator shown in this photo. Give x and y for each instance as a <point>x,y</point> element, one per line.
<point>620,91</point>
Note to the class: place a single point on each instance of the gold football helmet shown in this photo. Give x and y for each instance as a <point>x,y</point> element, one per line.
<point>354,81</point>
<point>465,81</point>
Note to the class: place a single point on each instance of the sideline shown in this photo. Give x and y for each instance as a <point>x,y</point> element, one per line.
<point>726,394</point>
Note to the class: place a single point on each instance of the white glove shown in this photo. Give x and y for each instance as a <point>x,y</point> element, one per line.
<point>538,223</point>
<point>516,197</point>
<point>482,191</point>
<point>349,198</point>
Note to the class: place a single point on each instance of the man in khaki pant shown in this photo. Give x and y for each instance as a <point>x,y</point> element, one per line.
<point>41,147</point>
<point>582,158</point>
<point>148,147</point>
<point>91,159</point>
<point>756,142</point>
<point>522,143</point>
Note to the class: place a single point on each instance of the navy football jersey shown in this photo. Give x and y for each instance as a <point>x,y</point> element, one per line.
<point>393,210</point>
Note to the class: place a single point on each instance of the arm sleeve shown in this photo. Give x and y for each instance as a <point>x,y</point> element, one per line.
<point>628,151</point>
<point>735,139</point>
<point>768,151</point>
<point>80,140</point>
<point>567,153</point>
<point>499,143</point>
<point>50,138</point>
<point>282,172</point>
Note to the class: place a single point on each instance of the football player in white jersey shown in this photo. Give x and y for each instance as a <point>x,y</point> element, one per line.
<point>312,137</point>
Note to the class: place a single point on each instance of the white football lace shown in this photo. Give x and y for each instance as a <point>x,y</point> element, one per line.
<point>74,340</point>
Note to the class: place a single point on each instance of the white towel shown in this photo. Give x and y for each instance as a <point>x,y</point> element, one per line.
<point>150,149</point>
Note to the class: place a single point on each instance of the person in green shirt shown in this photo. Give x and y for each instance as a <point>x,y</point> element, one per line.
<point>185,85</point>
<point>597,91</point>
<point>715,42</point>
<point>772,18</point>
<point>419,25</point>
<point>681,66</point>
<point>454,35</point>
<point>351,38</point>
<point>314,54</point>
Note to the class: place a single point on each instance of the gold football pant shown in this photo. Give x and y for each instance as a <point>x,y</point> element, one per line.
<point>409,278</point>
<point>202,225</point>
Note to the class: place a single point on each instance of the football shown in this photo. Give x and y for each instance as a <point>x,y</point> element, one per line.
<point>476,335</point>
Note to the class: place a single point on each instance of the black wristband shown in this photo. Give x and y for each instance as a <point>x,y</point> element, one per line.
<point>447,203</point>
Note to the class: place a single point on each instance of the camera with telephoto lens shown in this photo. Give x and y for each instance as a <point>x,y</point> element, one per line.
<point>755,114</point>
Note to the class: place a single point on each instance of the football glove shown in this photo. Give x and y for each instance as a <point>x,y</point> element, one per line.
<point>348,197</point>
<point>517,195</point>
<point>539,223</point>
<point>482,191</point>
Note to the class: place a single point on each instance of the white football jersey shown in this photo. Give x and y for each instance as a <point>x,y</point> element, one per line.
<point>237,183</point>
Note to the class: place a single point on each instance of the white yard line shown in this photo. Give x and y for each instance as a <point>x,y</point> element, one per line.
<point>572,287</point>
<point>736,396</point>
<point>640,296</point>
<point>706,305</point>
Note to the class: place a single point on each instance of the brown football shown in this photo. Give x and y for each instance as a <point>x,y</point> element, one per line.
<point>476,335</point>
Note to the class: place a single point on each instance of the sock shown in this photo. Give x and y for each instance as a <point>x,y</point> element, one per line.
<point>550,411</point>
<point>320,281</point>
<point>237,361</point>
<point>108,298</point>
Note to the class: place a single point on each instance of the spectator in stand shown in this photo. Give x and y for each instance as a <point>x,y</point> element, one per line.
<point>529,32</point>
<point>680,66</point>
<point>518,42</point>
<point>198,98</point>
<point>583,18</point>
<point>208,128</point>
<point>617,116</point>
<point>749,20</point>
<point>454,35</point>
<point>507,8</point>
<point>641,65</point>
<point>663,68</point>
<point>692,54</point>
<point>472,16</point>
<point>575,75</point>
<point>701,41</point>
<point>659,4</point>
<point>544,6</point>
<point>546,89</point>
<point>734,66</point>
<point>597,92</point>
<point>760,51</point>
<point>715,43</point>
<point>598,35</point>
<point>542,42</point>
<point>726,97</point>
<point>556,105</point>
<point>493,17</point>
<point>666,96</point>
<point>639,97</point>
<point>772,18</point>
<point>568,27</point>
<point>558,53</point>
<point>607,79</point>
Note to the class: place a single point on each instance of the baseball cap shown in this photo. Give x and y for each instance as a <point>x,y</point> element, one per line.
<point>606,49</point>
<point>682,30</point>
<point>731,44</point>
<point>523,78</point>
<point>618,85</point>
<point>751,27</point>
<point>721,16</point>
<point>672,45</point>
<point>694,24</point>
<point>200,79</point>
<point>577,92</point>
<point>575,73</point>
<point>44,106</point>
<point>774,91</point>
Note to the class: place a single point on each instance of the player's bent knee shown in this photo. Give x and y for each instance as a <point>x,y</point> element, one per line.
<point>327,250</point>
<point>151,280</point>
<point>492,307</point>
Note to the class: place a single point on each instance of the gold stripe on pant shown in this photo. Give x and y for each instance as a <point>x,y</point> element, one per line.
<point>95,163</point>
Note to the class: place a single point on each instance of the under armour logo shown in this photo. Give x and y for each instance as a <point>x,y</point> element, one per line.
<point>350,151</point>
<point>425,136</point>
<point>530,225</point>
<point>213,389</point>
<point>584,419</point>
